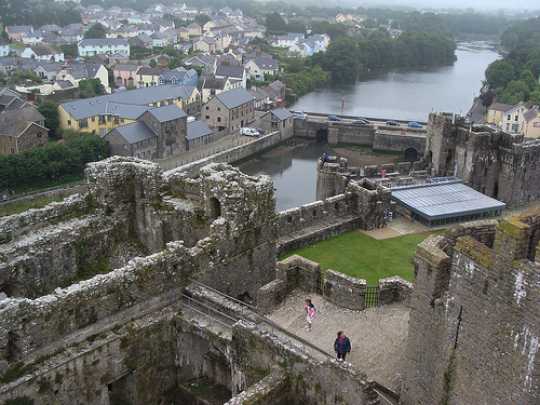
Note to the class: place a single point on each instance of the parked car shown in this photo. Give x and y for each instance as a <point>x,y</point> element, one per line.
<point>392,123</point>
<point>333,117</point>
<point>249,132</point>
<point>299,114</point>
<point>361,122</point>
<point>414,124</point>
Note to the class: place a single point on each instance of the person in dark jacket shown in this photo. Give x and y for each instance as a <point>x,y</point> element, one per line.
<point>342,346</point>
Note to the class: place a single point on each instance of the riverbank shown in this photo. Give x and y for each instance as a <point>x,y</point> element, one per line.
<point>409,94</point>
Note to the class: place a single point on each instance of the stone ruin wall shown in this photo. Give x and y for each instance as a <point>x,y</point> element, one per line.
<point>129,199</point>
<point>296,272</point>
<point>501,165</point>
<point>474,326</point>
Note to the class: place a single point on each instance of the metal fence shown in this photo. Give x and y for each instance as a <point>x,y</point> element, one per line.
<point>371,297</point>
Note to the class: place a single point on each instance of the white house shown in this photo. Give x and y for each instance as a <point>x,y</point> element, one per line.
<point>513,120</point>
<point>42,53</point>
<point>76,72</point>
<point>286,41</point>
<point>32,38</point>
<point>260,67</point>
<point>105,46</point>
<point>4,50</point>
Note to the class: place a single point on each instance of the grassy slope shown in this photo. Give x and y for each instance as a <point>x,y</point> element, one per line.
<point>361,256</point>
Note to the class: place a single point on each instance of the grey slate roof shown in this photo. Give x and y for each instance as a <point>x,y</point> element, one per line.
<point>234,98</point>
<point>128,104</point>
<point>167,113</point>
<point>236,72</point>
<point>197,129</point>
<point>104,42</point>
<point>14,122</point>
<point>135,132</point>
<point>444,200</point>
<point>281,114</point>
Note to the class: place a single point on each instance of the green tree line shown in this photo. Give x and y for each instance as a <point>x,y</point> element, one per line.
<point>348,59</point>
<point>52,162</point>
<point>516,77</point>
<point>38,12</point>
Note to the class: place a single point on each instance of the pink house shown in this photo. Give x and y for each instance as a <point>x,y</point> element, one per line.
<point>125,75</point>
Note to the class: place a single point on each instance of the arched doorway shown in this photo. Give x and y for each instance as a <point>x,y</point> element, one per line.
<point>411,155</point>
<point>322,135</point>
<point>215,208</point>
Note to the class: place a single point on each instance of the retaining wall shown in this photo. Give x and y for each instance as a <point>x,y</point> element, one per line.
<point>235,154</point>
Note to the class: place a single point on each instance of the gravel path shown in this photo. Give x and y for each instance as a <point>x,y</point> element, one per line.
<point>377,335</point>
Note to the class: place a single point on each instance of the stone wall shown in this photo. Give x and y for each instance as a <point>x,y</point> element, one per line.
<point>474,322</point>
<point>388,141</point>
<point>297,272</point>
<point>237,153</point>
<point>256,352</point>
<point>501,165</point>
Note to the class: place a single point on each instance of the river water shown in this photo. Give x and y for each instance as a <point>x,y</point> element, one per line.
<point>407,95</point>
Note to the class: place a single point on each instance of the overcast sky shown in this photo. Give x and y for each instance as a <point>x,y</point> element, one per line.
<point>492,5</point>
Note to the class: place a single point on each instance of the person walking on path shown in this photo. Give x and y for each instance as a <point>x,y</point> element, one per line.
<point>342,346</point>
<point>310,313</point>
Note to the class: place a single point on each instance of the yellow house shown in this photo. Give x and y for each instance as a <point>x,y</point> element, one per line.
<point>148,76</point>
<point>496,113</point>
<point>531,127</point>
<point>99,115</point>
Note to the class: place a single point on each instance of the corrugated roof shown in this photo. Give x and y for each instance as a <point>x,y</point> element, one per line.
<point>197,129</point>
<point>167,113</point>
<point>444,200</point>
<point>234,98</point>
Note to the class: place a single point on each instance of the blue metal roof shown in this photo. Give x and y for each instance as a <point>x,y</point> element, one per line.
<point>445,200</point>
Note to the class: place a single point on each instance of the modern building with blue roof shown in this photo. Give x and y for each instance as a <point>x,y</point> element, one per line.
<point>446,202</point>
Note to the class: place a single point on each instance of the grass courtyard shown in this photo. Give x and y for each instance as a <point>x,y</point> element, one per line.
<point>362,256</point>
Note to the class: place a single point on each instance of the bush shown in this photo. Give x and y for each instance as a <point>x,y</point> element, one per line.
<point>41,166</point>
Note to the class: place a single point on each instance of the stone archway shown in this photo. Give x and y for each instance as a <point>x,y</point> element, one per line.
<point>322,135</point>
<point>411,155</point>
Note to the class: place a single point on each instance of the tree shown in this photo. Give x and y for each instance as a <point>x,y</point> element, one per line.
<point>515,92</point>
<point>49,110</point>
<point>499,74</point>
<point>202,19</point>
<point>90,88</point>
<point>275,23</point>
<point>70,50</point>
<point>96,31</point>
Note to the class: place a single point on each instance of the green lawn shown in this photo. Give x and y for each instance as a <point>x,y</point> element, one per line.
<point>361,256</point>
<point>17,207</point>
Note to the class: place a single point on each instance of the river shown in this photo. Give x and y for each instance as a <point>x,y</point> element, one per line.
<point>407,95</point>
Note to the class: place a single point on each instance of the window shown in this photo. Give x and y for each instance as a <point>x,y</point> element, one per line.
<point>93,119</point>
<point>69,123</point>
<point>207,117</point>
<point>516,118</point>
<point>39,135</point>
<point>83,123</point>
<point>219,108</point>
<point>102,119</point>
<point>207,108</point>
<point>218,119</point>
<point>508,117</point>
